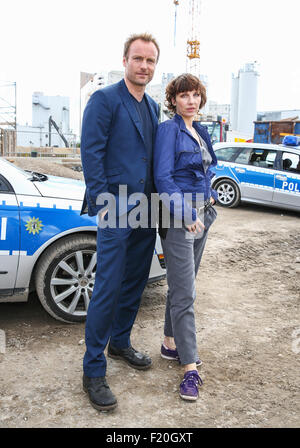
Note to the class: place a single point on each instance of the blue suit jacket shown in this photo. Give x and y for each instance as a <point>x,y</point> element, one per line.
<point>113,150</point>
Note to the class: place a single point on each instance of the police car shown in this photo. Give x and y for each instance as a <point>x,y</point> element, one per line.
<point>46,245</point>
<point>259,173</point>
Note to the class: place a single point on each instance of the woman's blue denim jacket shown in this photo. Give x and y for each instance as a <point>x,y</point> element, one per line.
<point>178,167</point>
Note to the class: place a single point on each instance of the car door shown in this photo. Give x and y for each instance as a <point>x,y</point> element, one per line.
<point>9,237</point>
<point>224,155</point>
<point>254,168</point>
<point>287,180</point>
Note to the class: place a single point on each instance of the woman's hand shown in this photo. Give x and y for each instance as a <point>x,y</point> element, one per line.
<point>212,201</point>
<point>198,226</point>
<point>102,214</point>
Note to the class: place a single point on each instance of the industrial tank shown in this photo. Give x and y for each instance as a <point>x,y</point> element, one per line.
<point>247,101</point>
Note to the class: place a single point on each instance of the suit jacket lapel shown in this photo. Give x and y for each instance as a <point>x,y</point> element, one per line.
<point>129,104</point>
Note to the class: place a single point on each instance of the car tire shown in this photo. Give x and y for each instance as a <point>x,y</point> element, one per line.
<point>65,277</point>
<point>228,193</point>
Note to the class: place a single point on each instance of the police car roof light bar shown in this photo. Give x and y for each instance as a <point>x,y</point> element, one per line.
<point>291,140</point>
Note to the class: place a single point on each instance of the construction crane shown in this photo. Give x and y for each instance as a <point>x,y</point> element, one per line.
<point>176,3</point>
<point>193,42</point>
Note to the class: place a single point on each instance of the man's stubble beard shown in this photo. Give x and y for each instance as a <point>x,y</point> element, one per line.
<point>139,83</point>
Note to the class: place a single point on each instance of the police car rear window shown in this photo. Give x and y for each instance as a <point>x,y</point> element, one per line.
<point>291,162</point>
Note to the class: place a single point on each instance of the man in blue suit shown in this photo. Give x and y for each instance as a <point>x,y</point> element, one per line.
<point>118,132</point>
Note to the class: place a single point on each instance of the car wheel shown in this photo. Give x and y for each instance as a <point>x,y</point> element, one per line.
<point>228,193</point>
<point>65,277</point>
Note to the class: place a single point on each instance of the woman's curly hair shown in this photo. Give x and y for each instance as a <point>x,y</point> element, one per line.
<point>184,83</point>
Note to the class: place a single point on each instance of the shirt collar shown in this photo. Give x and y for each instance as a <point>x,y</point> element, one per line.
<point>180,121</point>
<point>178,118</point>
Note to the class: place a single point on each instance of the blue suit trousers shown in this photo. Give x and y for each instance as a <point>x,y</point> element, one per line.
<point>124,259</point>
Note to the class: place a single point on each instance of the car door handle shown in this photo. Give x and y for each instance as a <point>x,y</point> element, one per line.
<point>279,177</point>
<point>240,170</point>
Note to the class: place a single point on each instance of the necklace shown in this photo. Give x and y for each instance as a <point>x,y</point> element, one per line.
<point>195,135</point>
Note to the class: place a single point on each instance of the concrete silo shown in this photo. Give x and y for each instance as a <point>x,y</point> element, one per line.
<point>247,106</point>
<point>244,100</point>
<point>234,102</point>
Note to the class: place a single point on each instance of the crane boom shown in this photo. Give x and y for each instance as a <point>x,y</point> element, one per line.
<point>176,3</point>
<point>52,123</point>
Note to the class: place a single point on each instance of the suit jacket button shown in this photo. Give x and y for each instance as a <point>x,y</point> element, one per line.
<point>142,181</point>
<point>144,159</point>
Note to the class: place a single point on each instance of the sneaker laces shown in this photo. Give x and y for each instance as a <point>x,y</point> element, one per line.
<point>191,379</point>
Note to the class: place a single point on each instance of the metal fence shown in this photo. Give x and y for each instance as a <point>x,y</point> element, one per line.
<point>22,143</point>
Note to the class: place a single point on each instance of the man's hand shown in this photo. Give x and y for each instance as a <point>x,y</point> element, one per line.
<point>212,201</point>
<point>198,226</point>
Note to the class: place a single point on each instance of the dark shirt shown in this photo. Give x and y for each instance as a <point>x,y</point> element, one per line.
<point>147,126</point>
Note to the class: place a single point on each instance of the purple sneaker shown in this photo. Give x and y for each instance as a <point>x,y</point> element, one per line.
<point>189,385</point>
<point>172,355</point>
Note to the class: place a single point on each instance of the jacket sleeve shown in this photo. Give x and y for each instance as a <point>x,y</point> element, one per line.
<point>164,166</point>
<point>214,194</point>
<point>96,123</point>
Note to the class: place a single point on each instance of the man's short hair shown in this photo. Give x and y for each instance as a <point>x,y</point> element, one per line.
<point>146,37</point>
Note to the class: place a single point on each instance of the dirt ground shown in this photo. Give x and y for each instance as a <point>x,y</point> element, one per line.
<point>248,331</point>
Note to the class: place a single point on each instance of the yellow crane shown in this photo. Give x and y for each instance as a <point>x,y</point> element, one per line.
<point>193,41</point>
<point>193,37</point>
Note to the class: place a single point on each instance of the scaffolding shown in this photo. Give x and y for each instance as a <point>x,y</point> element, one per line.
<point>8,106</point>
<point>8,117</point>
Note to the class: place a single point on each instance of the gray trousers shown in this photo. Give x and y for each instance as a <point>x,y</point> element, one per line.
<point>183,253</point>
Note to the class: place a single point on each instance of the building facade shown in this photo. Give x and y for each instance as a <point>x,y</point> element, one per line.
<point>39,133</point>
<point>215,110</point>
<point>276,115</point>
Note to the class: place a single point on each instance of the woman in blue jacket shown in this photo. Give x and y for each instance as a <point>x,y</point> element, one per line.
<point>183,158</point>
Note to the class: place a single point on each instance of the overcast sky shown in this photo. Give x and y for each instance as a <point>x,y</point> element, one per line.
<point>45,45</point>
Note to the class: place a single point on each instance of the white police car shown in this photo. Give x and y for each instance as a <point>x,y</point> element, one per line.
<point>45,245</point>
<point>259,173</point>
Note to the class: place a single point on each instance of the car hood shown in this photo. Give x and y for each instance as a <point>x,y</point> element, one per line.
<point>61,187</point>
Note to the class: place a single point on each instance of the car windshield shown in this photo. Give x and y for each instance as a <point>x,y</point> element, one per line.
<point>214,131</point>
